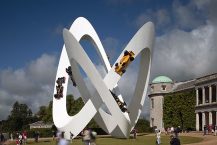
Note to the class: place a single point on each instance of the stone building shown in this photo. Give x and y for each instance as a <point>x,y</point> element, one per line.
<point>160,86</point>
<point>40,124</point>
<point>206,99</point>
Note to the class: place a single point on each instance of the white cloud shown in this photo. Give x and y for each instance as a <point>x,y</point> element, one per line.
<point>178,54</point>
<point>187,16</point>
<point>111,46</point>
<point>209,9</point>
<point>32,84</point>
<point>181,54</point>
<point>184,55</point>
<point>161,18</point>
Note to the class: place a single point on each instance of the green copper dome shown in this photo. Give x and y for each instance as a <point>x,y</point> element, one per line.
<point>162,79</point>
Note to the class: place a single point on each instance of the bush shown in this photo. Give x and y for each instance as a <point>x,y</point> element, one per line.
<point>143,126</point>
<point>43,132</point>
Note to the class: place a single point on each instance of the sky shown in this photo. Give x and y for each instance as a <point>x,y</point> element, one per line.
<point>31,42</point>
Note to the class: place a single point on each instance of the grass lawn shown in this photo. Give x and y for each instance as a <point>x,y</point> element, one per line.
<point>141,140</point>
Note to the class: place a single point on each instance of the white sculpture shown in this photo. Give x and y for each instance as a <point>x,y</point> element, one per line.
<point>116,123</point>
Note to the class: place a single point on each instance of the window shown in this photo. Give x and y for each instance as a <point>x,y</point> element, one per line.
<point>152,103</point>
<point>152,122</point>
<point>213,93</point>
<point>152,88</point>
<point>200,96</point>
<point>206,94</point>
<point>163,87</point>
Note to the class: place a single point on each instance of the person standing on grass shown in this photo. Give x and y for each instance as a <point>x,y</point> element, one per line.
<point>177,131</point>
<point>86,136</point>
<point>134,133</point>
<point>11,136</point>
<point>71,136</point>
<point>158,137</point>
<point>93,137</point>
<point>62,140</point>
<point>174,140</point>
<point>20,137</point>
<point>24,134</point>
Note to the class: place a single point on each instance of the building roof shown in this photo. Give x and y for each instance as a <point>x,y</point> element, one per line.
<point>40,123</point>
<point>180,86</point>
<point>162,79</point>
<point>205,79</point>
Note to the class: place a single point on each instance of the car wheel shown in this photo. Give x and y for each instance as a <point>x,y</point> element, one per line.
<point>123,71</point>
<point>116,64</point>
<point>126,53</point>
<point>131,58</point>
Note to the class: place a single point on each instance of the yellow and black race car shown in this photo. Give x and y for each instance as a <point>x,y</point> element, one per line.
<point>120,67</point>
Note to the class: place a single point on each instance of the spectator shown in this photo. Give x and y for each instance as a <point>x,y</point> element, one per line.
<point>86,136</point>
<point>54,134</point>
<point>215,130</point>
<point>174,140</point>
<point>158,137</point>
<point>58,136</point>
<point>93,138</point>
<point>71,136</point>
<point>2,137</point>
<point>134,133</point>
<point>172,130</point>
<point>36,136</point>
<point>20,138</point>
<point>169,130</point>
<point>17,141</point>
<point>166,131</point>
<point>11,136</point>
<point>204,130</point>
<point>62,141</point>
<point>177,131</point>
<point>24,135</point>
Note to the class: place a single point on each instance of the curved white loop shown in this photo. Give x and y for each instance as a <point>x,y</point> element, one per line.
<point>116,123</point>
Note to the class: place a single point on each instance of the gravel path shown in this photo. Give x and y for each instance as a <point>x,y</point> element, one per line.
<point>207,139</point>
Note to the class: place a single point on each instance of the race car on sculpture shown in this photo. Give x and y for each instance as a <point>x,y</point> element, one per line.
<point>120,67</point>
<point>69,72</point>
<point>122,105</point>
<point>59,87</point>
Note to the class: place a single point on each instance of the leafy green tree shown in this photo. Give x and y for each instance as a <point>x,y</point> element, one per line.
<point>74,106</point>
<point>42,112</point>
<point>20,117</point>
<point>143,125</point>
<point>48,117</point>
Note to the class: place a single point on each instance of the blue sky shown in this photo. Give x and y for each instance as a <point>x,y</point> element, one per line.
<point>31,28</point>
<point>31,41</point>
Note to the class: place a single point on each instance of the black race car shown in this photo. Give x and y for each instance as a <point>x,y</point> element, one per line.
<point>59,87</point>
<point>69,72</point>
<point>122,105</point>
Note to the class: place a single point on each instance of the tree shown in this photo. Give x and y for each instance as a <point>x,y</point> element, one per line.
<point>73,106</point>
<point>42,112</point>
<point>20,117</point>
<point>143,125</point>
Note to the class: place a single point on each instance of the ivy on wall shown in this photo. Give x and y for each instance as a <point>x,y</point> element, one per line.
<point>179,110</point>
